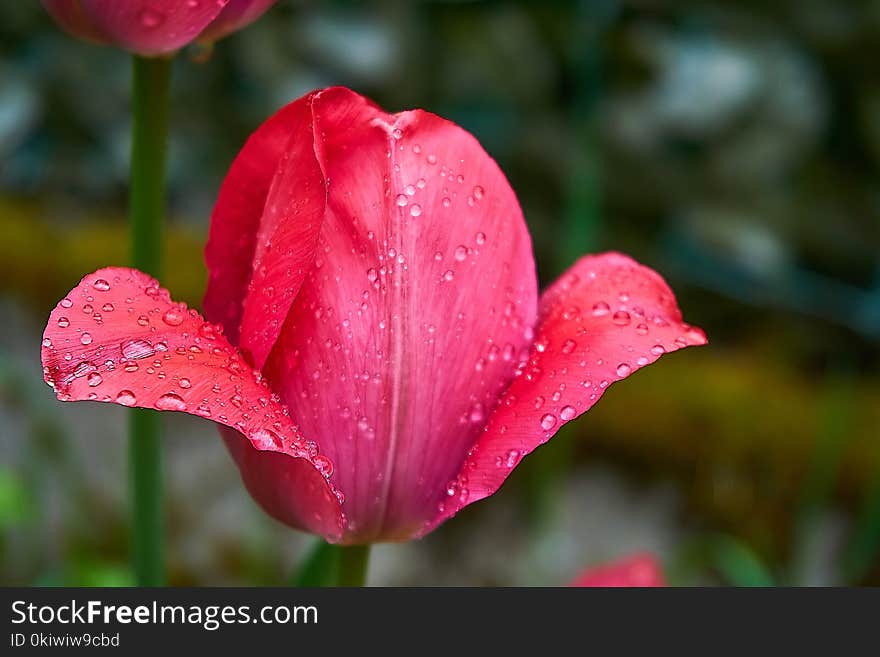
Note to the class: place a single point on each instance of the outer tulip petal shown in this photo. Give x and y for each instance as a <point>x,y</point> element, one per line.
<point>642,570</point>
<point>235,15</point>
<point>147,27</point>
<point>410,323</point>
<point>264,230</point>
<point>118,337</point>
<point>605,318</point>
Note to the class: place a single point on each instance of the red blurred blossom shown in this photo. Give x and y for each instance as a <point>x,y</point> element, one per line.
<point>638,570</point>
<point>381,357</point>
<point>154,27</point>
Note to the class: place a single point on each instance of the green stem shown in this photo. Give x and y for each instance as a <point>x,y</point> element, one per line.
<point>150,91</point>
<point>353,560</point>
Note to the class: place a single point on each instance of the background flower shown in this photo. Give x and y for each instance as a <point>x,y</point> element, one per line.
<point>154,27</point>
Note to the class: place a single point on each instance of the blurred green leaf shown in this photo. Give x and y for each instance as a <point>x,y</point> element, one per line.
<point>15,501</point>
<point>739,564</point>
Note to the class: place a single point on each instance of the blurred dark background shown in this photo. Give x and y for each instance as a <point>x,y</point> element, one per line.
<point>733,146</point>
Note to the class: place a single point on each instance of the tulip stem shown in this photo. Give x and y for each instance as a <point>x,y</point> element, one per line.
<point>353,560</point>
<point>150,100</point>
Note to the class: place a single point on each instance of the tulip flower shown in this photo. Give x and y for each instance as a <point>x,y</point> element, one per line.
<point>638,570</point>
<point>154,27</point>
<point>375,349</point>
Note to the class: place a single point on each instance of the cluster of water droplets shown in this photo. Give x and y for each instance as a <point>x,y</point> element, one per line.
<point>170,358</point>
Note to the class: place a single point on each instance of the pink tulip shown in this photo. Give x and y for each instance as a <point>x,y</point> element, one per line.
<point>154,27</point>
<point>381,357</point>
<point>638,570</point>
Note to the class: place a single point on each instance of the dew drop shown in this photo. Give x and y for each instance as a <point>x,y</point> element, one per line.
<point>86,338</point>
<point>568,346</point>
<point>324,465</point>
<point>266,439</point>
<point>567,413</point>
<point>548,421</point>
<point>478,192</point>
<point>461,252</point>
<point>63,322</point>
<point>401,200</point>
<point>170,402</point>
<point>184,383</point>
<point>66,303</point>
<point>101,285</point>
<point>621,318</point>
<point>94,380</point>
<point>415,210</point>
<point>173,317</point>
<point>601,309</point>
<point>658,350</point>
<point>126,398</point>
<point>135,349</point>
<point>151,18</point>
<point>623,369</point>
<point>480,238</point>
<point>448,275</point>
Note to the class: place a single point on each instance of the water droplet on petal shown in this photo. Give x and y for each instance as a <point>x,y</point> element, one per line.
<point>126,398</point>
<point>548,421</point>
<point>600,309</point>
<point>567,413</point>
<point>170,402</point>
<point>94,379</point>
<point>623,369</point>
<point>415,210</point>
<point>101,285</point>
<point>134,349</point>
<point>266,439</point>
<point>324,465</point>
<point>151,19</point>
<point>621,318</point>
<point>658,350</point>
<point>173,317</point>
<point>184,383</point>
<point>86,338</point>
<point>63,322</point>
<point>461,252</point>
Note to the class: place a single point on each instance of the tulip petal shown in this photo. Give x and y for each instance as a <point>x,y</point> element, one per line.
<point>235,15</point>
<point>639,570</point>
<point>602,320</point>
<point>264,229</point>
<point>118,337</point>
<point>409,324</point>
<point>147,27</point>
